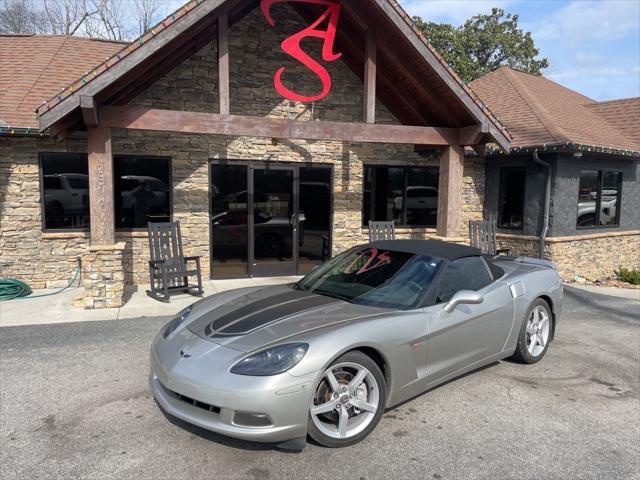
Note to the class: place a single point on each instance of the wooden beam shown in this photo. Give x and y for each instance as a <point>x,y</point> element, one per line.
<point>472,135</point>
<point>391,54</point>
<point>101,186</point>
<point>481,149</point>
<point>450,191</point>
<point>370,77</point>
<point>354,59</point>
<point>388,86</point>
<point>65,128</point>
<point>89,111</point>
<point>140,118</point>
<point>223,62</point>
<point>471,106</point>
<point>139,55</point>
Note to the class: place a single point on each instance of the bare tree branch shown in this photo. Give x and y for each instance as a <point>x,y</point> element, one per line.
<point>109,19</point>
<point>21,16</point>
<point>147,14</point>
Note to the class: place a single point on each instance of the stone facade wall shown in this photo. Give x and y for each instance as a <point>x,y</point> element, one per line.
<point>526,246</point>
<point>595,256</point>
<point>41,259</point>
<point>592,256</point>
<point>47,259</point>
<point>102,277</point>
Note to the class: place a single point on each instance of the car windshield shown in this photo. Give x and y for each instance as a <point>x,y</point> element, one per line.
<point>375,277</point>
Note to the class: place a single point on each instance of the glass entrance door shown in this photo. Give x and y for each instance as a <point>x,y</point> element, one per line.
<point>269,220</point>
<point>275,221</point>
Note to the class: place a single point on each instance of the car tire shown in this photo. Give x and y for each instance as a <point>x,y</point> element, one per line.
<point>372,391</point>
<point>535,334</point>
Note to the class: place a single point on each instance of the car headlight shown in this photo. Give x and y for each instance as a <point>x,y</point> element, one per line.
<point>271,361</point>
<point>175,322</point>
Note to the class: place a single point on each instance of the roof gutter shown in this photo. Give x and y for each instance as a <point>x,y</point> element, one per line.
<point>547,203</point>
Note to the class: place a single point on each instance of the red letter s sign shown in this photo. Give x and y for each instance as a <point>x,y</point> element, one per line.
<point>291,46</point>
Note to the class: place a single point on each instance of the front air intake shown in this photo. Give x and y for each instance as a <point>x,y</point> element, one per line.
<point>248,419</point>
<point>192,401</point>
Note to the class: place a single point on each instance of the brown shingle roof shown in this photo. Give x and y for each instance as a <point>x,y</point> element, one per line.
<point>538,111</point>
<point>37,67</point>
<point>623,114</point>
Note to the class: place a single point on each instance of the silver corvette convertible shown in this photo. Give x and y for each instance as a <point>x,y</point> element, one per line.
<point>369,329</point>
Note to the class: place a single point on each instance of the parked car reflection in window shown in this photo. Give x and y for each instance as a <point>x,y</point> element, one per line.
<point>141,189</point>
<point>65,185</point>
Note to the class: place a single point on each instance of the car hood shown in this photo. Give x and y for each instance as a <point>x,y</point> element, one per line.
<point>249,319</point>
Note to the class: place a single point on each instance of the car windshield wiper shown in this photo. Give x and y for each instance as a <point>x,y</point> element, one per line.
<point>334,295</point>
<point>299,286</point>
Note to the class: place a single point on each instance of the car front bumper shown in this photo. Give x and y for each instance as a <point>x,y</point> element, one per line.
<point>192,389</point>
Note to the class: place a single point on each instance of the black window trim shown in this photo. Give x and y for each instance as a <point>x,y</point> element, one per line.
<point>150,157</point>
<point>601,172</point>
<point>43,209</point>
<point>429,299</point>
<point>503,169</point>
<point>44,228</point>
<point>405,168</point>
<point>252,164</point>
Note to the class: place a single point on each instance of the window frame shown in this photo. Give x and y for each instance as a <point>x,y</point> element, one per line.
<point>405,169</point>
<point>501,174</point>
<point>599,186</point>
<point>170,185</point>
<point>429,300</point>
<point>43,214</point>
<point>43,224</point>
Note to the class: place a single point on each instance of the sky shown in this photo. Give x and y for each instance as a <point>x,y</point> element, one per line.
<point>593,46</point>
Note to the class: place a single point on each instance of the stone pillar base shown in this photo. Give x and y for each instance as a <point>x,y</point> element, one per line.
<point>102,277</point>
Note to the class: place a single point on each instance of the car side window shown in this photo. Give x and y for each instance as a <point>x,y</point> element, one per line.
<point>468,273</point>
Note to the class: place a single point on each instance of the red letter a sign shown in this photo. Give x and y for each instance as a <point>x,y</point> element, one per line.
<point>291,46</point>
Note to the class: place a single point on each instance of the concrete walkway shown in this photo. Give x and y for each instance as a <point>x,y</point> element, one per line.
<point>57,308</point>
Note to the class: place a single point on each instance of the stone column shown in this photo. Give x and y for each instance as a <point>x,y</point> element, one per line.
<point>102,277</point>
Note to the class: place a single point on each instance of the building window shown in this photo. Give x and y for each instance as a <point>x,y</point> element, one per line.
<point>408,196</point>
<point>599,198</point>
<point>511,194</point>
<point>65,191</point>
<point>142,190</point>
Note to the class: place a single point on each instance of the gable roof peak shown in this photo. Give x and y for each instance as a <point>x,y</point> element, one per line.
<point>190,19</point>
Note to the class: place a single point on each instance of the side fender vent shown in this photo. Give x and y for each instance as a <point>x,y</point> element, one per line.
<point>517,289</point>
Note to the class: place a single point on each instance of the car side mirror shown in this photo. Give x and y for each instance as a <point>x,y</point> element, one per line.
<point>463,296</point>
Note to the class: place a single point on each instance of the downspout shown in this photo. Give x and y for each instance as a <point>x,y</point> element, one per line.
<point>547,202</point>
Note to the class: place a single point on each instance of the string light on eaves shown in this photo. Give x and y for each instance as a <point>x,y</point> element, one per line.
<point>569,146</point>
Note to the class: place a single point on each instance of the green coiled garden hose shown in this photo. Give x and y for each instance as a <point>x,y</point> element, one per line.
<point>11,288</point>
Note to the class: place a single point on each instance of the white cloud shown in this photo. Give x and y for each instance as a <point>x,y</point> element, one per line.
<point>583,20</point>
<point>587,58</point>
<point>451,11</point>
<point>603,71</point>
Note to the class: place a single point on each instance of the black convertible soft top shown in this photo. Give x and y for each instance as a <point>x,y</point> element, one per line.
<point>432,248</point>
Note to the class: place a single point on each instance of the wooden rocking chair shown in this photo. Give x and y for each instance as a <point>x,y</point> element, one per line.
<point>482,234</point>
<point>381,231</point>
<point>169,268</point>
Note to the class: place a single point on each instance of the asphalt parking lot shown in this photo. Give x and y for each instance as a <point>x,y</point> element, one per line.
<point>75,404</point>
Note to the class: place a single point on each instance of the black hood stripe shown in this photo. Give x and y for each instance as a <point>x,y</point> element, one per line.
<point>251,308</point>
<point>275,313</point>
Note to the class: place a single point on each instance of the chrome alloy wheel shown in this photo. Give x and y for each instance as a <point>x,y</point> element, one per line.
<point>537,330</point>
<point>345,401</point>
